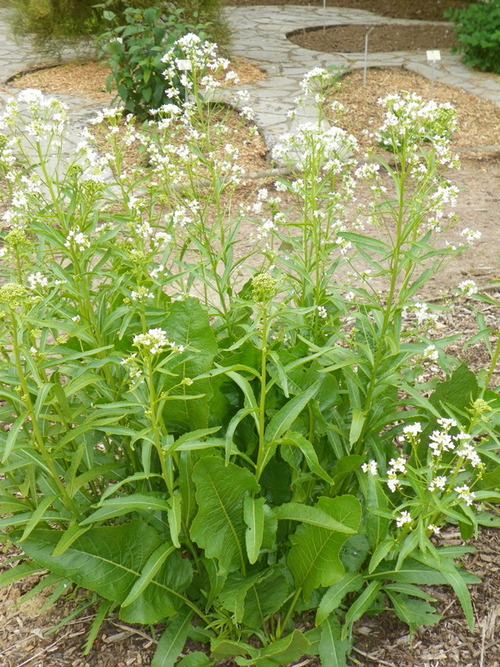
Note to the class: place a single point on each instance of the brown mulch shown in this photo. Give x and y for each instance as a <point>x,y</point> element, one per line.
<point>89,79</point>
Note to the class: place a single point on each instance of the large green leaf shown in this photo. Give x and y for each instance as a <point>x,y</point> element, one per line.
<point>351,581</point>
<point>311,515</point>
<point>253,513</point>
<point>159,599</point>
<point>110,560</point>
<point>458,391</point>
<point>284,418</point>
<point>414,613</point>
<point>219,525</point>
<point>187,324</point>
<point>255,596</point>
<point>112,507</point>
<point>314,558</point>
<point>107,560</point>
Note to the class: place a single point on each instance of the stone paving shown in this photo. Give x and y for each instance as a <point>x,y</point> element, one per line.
<point>260,34</point>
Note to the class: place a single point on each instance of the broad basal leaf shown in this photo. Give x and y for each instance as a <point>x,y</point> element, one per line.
<point>107,560</point>
<point>314,557</point>
<point>414,613</point>
<point>255,596</point>
<point>219,525</point>
<point>188,324</point>
<point>110,560</point>
<point>331,600</point>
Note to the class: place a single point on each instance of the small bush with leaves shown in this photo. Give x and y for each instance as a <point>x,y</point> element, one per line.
<point>225,437</point>
<point>135,52</point>
<point>477,28</point>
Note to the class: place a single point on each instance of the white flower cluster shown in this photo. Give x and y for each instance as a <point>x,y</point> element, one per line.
<point>141,294</point>
<point>37,280</point>
<point>467,287</point>
<point>470,235</point>
<point>155,341</point>
<point>77,241</point>
<point>397,466</point>
<point>410,122</point>
<point>194,62</point>
<point>39,116</point>
<point>421,312</point>
<point>331,149</point>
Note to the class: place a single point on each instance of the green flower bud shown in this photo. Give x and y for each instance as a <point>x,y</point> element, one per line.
<point>264,288</point>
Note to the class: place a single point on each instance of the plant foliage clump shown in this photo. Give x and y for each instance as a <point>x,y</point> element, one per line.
<point>477,28</point>
<point>53,25</point>
<point>231,438</point>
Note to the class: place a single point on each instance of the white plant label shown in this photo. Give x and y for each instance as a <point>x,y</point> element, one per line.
<point>434,55</point>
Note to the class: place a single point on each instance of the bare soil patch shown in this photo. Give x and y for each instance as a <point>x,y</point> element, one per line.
<point>382,38</point>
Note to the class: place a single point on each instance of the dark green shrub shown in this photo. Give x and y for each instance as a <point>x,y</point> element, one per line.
<point>134,51</point>
<point>477,28</point>
<point>55,24</point>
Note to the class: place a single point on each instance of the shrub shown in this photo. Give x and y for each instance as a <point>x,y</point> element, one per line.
<point>224,436</point>
<point>477,28</point>
<point>135,51</point>
<point>55,24</point>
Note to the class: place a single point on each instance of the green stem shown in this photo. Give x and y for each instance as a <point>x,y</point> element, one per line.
<point>47,458</point>
<point>282,625</point>
<point>157,436</point>
<point>394,269</point>
<point>493,365</point>
<point>263,391</point>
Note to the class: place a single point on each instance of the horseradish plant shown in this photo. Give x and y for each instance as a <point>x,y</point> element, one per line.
<point>228,438</point>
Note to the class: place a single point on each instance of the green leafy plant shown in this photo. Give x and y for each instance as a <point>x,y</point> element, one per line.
<point>222,439</point>
<point>477,28</point>
<point>53,25</point>
<point>134,51</point>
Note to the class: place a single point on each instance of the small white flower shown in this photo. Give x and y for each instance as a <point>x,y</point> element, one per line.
<point>470,235</point>
<point>322,312</point>
<point>447,422</point>
<point>394,484</point>
<point>438,482</point>
<point>464,493</point>
<point>397,465</point>
<point>370,467</point>
<point>412,430</point>
<point>441,441</point>
<point>468,287</point>
<point>434,529</point>
<point>430,353</point>
<point>37,280</point>
<point>403,518</point>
